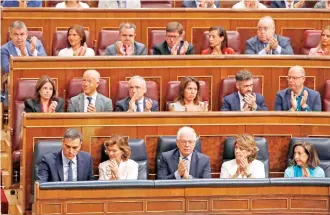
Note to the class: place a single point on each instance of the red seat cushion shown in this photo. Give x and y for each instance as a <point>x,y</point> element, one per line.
<point>155,37</point>
<point>4,202</point>
<point>156,4</point>
<point>106,38</point>
<point>326,96</point>
<point>311,40</point>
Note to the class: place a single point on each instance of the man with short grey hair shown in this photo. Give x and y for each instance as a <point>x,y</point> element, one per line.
<point>244,99</point>
<point>136,101</point>
<point>69,164</point>
<point>20,45</point>
<point>90,100</point>
<point>126,45</point>
<point>184,162</point>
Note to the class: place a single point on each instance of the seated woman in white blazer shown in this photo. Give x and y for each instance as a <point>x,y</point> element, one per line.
<point>119,166</point>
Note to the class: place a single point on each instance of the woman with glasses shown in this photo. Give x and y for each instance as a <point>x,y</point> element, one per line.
<point>119,166</point>
<point>323,49</point>
<point>305,162</point>
<point>189,97</point>
<point>245,164</point>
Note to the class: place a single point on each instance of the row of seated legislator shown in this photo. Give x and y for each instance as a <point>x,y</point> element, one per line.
<point>90,94</point>
<point>216,41</point>
<point>177,157</point>
<point>242,4</point>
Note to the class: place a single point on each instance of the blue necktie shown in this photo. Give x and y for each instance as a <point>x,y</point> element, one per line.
<point>70,176</point>
<point>138,109</point>
<point>89,99</point>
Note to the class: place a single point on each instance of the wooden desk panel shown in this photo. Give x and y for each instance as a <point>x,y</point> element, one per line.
<point>288,23</point>
<point>213,127</point>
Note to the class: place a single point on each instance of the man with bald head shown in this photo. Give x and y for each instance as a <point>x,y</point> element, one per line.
<point>297,97</point>
<point>267,42</point>
<point>90,100</point>
<point>184,162</point>
<point>136,101</point>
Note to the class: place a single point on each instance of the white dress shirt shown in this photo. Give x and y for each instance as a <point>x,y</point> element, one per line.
<point>127,170</point>
<point>241,100</point>
<point>19,53</point>
<point>287,4</point>
<point>241,5</point>
<point>86,102</point>
<point>141,105</point>
<point>66,167</point>
<point>187,164</point>
<point>255,168</point>
<point>63,5</point>
<point>68,52</point>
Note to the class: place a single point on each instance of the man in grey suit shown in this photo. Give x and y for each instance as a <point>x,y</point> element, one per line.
<point>184,162</point>
<point>297,97</point>
<point>90,100</point>
<point>126,45</point>
<point>119,4</point>
<point>69,164</point>
<point>244,99</point>
<point>267,42</point>
<point>136,101</point>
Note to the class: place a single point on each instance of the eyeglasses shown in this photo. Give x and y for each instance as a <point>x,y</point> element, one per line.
<point>187,141</point>
<point>172,37</point>
<point>293,78</point>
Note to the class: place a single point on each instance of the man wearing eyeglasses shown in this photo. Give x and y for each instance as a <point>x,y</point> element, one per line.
<point>174,43</point>
<point>267,42</point>
<point>297,97</point>
<point>184,162</point>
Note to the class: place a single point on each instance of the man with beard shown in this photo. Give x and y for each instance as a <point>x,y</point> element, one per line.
<point>267,42</point>
<point>297,97</point>
<point>244,99</point>
<point>126,45</point>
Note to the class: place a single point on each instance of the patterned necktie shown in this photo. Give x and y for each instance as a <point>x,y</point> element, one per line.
<point>138,109</point>
<point>70,176</point>
<point>186,163</point>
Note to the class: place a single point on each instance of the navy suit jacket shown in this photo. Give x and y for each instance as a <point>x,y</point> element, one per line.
<point>192,3</point>
<point>122,105</point>
<point>33,105</point>
<point>283,97</point>
<point>254,45</point>
<point>278,4</point>
<point>14,3</point>
<point>162,49</point>
<point>9,49</point>
<point>232,103</point>
<point>51,167</point>
<point>139,49</point>
<point>199,165</point>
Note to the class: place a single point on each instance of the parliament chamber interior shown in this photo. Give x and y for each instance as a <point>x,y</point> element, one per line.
<point>237,122</point>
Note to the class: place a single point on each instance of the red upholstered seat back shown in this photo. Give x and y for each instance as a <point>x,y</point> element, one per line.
<point>59,41</point>
<point>155,37</point>
<point>326,96</point>
<point>106,38</point>
<point>234,41</point>
<point>75,87</point>
<point>123,91</point>
<point>173,90</point>
<point>311,40</point>
<point>156,4</point>
<point>228,86</point>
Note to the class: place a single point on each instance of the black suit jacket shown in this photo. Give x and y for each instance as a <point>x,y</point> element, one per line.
<point>199,165</point>
<point>162,49</point>
<point>33,105</point>
<point>51,167</point>
<point>122,105</point>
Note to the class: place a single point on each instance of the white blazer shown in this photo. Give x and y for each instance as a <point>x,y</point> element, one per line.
<point>127,170</point>
<point>116,3</point>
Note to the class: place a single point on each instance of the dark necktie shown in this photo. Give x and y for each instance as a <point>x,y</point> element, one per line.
<point>70,176</point>
<point>138,109</point>
<point>89,99</point>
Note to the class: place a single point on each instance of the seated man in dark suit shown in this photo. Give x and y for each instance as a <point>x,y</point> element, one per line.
<point>69,164</point>
<point>266,41</point>
<point>174,43</point>
<point>126,45</point>
<point>297,97</point>
<point>244,99</point>
<point>21,3</point>
<point>90,100</point>
<point>287,4</point>
<point>201,3</point>
<point>136,101</point>
<point>184,162</point>
<point>19,45</point>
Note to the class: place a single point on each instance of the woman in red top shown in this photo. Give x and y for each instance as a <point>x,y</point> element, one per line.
<point>218,42</point>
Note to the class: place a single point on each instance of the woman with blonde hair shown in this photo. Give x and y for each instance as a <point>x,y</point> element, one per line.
<point>245,164</point>
<point>323,49</point>
<point>119,166</point>
<point>305,162</point>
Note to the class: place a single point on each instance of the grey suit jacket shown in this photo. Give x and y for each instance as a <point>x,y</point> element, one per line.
<point>320,4</point>
<point>122,105</point>
<point>283,100</point>
<point>116,4</point>
<point>51,167</point>
<point>102,103</point>
<point>232,103</point>
<point>254,45</point>
<point>199,165</point>
<point>139,49</point>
